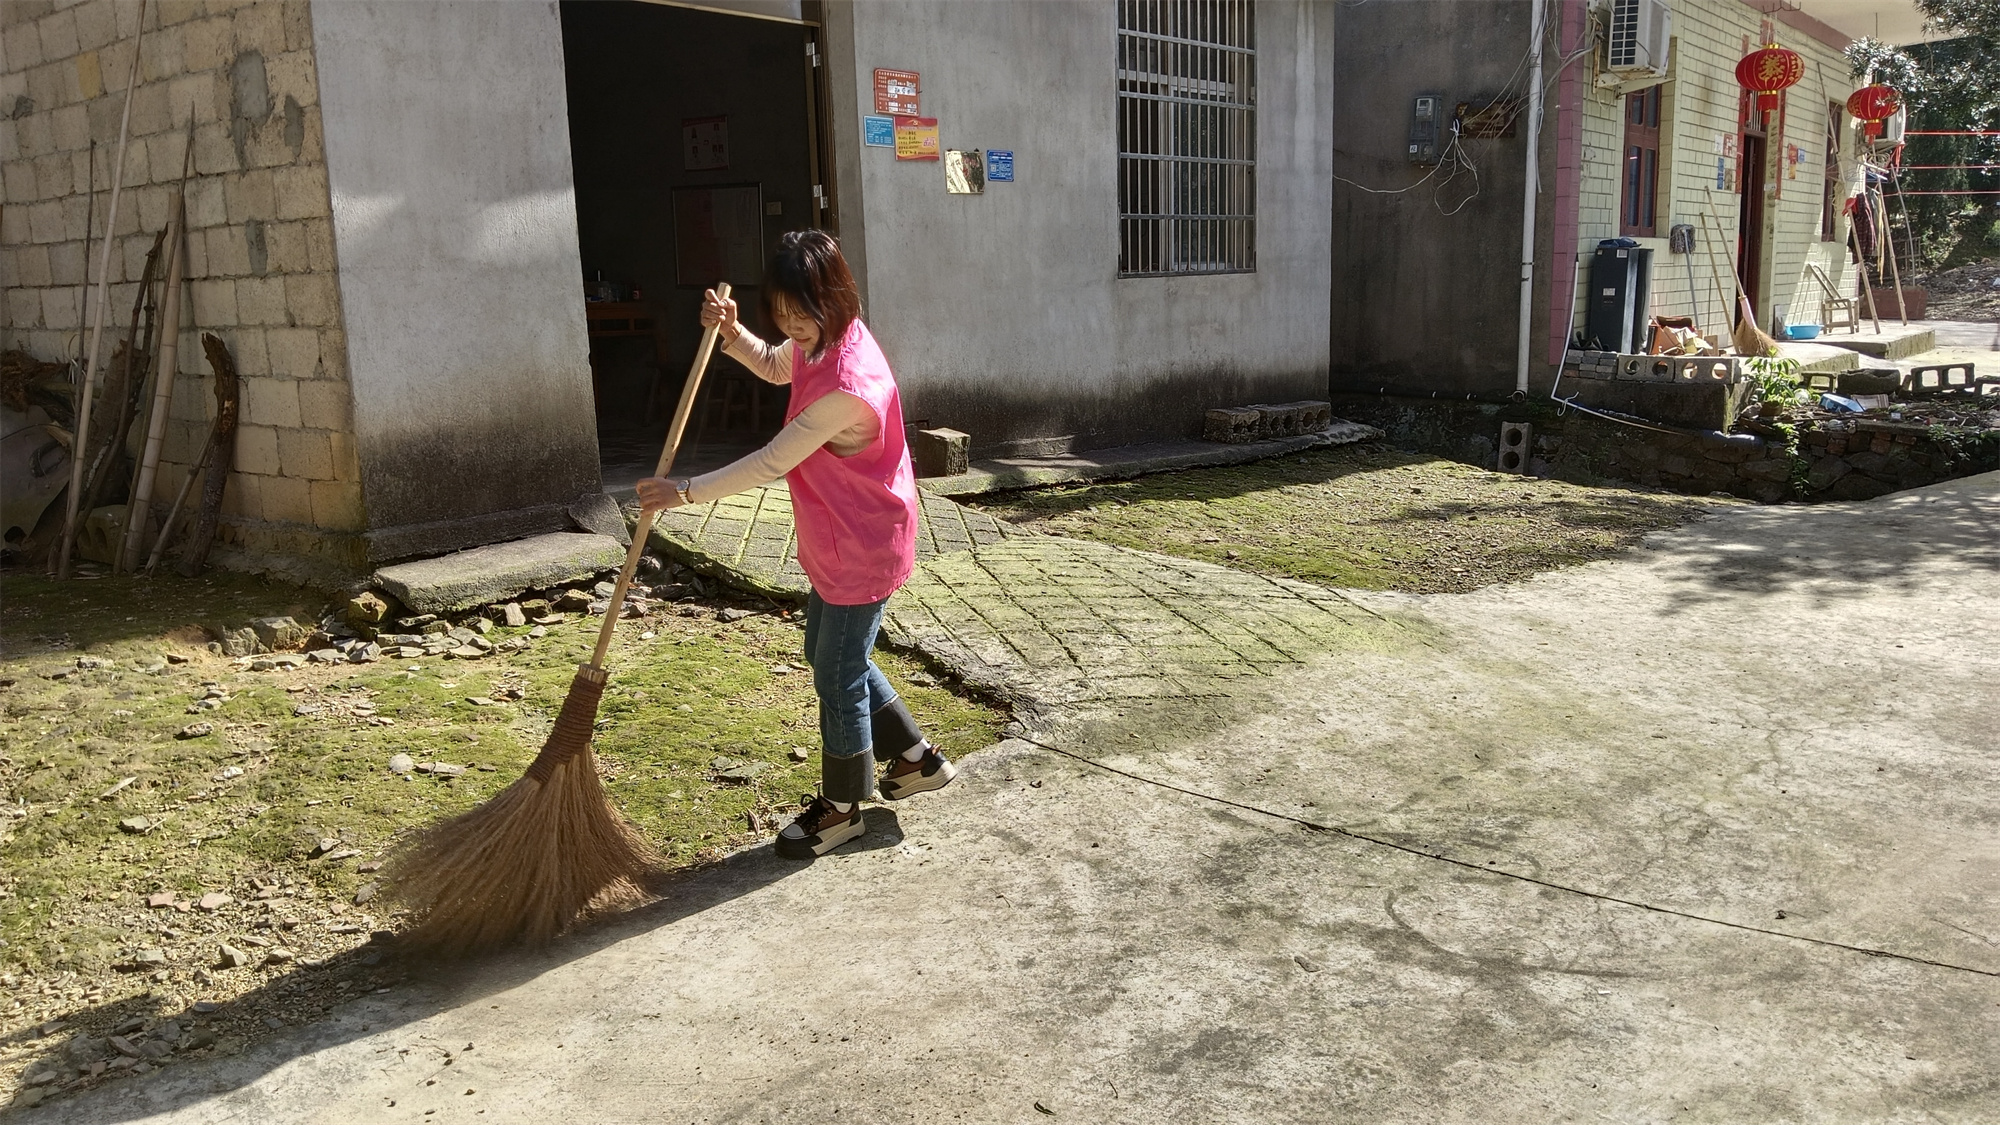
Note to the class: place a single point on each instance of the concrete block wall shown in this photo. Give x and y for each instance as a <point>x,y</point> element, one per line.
<point>260,250</point>
<point>1699,105</point>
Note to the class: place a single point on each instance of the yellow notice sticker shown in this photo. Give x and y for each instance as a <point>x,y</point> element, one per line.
<point>916,138</point>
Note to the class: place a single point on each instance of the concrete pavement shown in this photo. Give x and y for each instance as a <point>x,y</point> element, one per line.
<point>1707,833</point>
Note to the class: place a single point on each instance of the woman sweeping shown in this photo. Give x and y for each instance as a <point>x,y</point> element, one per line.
<point>854,502</point>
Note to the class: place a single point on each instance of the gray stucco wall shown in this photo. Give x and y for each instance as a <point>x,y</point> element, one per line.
<point>1003,313</point>
<point>454,222</point>
<point>1426,302</point>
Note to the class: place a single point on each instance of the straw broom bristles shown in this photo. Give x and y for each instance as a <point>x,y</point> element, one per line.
<point>527,864</point>
<point>530,862</point>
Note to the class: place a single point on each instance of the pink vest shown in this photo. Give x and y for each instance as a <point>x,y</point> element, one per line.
<point>856,516</point>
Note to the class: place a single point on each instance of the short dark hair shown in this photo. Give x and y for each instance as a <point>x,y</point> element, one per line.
<point>809,273</point>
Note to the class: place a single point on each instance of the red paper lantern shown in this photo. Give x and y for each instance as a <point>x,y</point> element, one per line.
<point>1873,105</point>
<point>1768,70</point>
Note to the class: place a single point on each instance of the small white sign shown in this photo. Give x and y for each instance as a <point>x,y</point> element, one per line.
<point>704,143</point>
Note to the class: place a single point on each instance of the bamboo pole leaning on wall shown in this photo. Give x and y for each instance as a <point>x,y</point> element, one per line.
<point>123,391</point>
<point>139,512</point>
<point>79,440</point>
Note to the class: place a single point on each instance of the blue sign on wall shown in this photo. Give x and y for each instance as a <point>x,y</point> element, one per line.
<point>878,132</point>
<point>999,165</point>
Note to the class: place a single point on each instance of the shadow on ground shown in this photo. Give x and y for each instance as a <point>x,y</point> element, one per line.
<point>1840,552</point>
<point>374,970</point>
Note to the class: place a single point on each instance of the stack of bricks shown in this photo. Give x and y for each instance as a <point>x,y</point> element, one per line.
<point>1643,368</point>
<point>1265,422</point>
<point>260,262</point>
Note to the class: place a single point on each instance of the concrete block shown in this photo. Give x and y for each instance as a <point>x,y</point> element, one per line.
<point>206,44</point>
<point>62,307</point>
<point>214,154</point>
<point>247,346</point>
<point>285,248</point>
<point>1232,424</point>
<point>162,57</point>
<point>257,451</point>
<point>18,182</point>
<point>66,263</point>
<point>292,75</point>
<point>1940,378</point>
<point>336,505</point>
<point>260,300</point>
<point>298,27</point>
<point>30,266</point>
<point>302,192</point>
<point>940,452</point>
<point>70,128</point>
<point>311,299</point>
<point>46,222</point>
<point>326,404</point>
<point>346,457</point>
<point>260,27</point>
<point>1516,444</point>
<point>251,195</point>
<point>96,24</point>
<point>214,300</point>
<point>319,244</point>
<point>58,32</point>
<point>228,253</point>
<point>173,12</point>
<point>271,402</point>
<point>242,497</point>
<point>24,308</point>
<point>1283,419</point>
<point>205,206</point>
<point>294,352</point>
<point>486,575</point>
<point>306,454</point>
<point>287,500</point>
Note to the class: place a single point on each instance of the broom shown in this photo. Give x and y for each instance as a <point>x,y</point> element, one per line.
<point>529,862</point>
<point>1748,338</point>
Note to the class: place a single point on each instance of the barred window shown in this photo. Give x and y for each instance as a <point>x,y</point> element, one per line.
<point>1187,137</point>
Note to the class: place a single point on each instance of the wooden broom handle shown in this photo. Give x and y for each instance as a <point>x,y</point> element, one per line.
<point>673,447</point>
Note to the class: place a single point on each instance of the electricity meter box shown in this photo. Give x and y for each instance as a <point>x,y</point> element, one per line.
<point>1620,309</point>
<point>1424,117</point>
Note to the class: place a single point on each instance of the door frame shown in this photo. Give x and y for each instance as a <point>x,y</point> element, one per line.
<point>1750,212</point>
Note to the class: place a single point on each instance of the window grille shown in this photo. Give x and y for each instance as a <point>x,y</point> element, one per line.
<point>1187,137</point>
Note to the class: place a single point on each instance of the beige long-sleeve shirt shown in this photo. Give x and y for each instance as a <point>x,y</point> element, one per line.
<point>841,422</point>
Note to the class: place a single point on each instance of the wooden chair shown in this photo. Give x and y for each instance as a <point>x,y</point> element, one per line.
<point>603,319</point>
<point>1835,311</point>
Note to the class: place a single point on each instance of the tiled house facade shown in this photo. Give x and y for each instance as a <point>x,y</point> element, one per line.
<point>1701,115</point>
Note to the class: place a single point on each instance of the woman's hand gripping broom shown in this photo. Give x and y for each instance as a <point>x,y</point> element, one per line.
<point>524,866</point>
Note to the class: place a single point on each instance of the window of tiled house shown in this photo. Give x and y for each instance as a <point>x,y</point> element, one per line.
<point>1639,215</point>
<point>1829,206</point>
<point>1187,137</point>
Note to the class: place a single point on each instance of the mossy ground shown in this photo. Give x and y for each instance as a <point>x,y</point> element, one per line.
<point>311,748</point>
<point>1361,517</point>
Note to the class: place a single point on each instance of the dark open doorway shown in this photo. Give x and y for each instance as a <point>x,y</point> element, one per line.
<point>693,139</point>
<point>1750,218</point>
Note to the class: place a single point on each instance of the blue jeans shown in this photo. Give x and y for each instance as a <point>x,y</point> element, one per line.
<point>851,689</point>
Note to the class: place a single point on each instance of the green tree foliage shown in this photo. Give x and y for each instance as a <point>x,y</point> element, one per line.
<point>1949,85</point>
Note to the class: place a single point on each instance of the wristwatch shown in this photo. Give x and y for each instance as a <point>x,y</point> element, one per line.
<point>681,486</point>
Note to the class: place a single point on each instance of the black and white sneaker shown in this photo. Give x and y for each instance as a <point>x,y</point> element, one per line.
<point>819,829</point>
<point>906,778</point>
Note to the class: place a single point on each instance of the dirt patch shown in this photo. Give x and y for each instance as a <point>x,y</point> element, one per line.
<point>1364,517</point>
<point>188,847</point>
<point>1968,292</point>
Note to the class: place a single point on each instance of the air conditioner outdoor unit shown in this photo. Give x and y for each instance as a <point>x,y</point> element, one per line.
<point>1641,31</point>
<point>1892,130</point>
